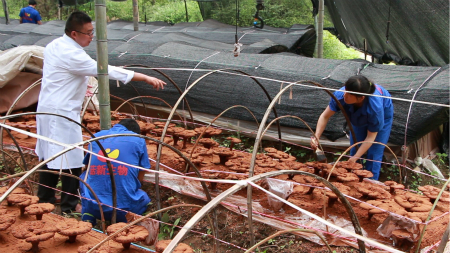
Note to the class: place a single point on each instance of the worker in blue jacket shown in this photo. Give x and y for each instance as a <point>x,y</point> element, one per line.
<point>370,116</point>
<point>29,14</point>
<point>128,149</point>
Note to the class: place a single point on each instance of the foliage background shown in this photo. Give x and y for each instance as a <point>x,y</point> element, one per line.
<point>277,13</point>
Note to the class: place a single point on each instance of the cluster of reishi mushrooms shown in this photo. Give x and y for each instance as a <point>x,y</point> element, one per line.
<point>217,162</point>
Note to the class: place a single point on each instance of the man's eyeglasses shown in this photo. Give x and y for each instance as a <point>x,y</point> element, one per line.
<point>88,34</point>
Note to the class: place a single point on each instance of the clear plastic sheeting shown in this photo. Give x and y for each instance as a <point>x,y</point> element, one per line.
<point>238,204</point>
<point>395,222</point>
<point>280,188</point>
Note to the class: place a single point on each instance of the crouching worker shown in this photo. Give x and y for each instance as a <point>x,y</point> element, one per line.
<point>130,197</point>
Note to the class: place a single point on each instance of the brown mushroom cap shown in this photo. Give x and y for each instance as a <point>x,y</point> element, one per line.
<point>413,202</point>
<point>208,142</point>
<point>210,131</point>
<point>6,221</point>
<point>22,199</point>
<point>347,177</point>
<point>162,124</point>
<point>341,187</point>
<point>39,209</point>
<point>349,165</point>
<point>3,210</point>
<point>293,165</point>
<point>102,249</point>
<point>271,150</point>
<point>234,140</point>
<point>432,193</point>
<point>187,133</point>
<point>363,173</point>
<point>15,191</point>
<point>223,152</point>
<point>394,186</point>
<point>132,234</point>
<point>73,227</point>
<point>34,231</point>
<point>180,248</point>
<point>337,171</point>
<point>372,190</point>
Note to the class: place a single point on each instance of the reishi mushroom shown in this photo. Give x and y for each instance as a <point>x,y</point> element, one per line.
<point>432,193</point>
<point>350,166</point>
<point>15,191</point>
<point>413,202</point>
<point>180,248</point>
<point>233,141</point>
<point>22,200</point>
<point>39,209</point>
<point>223,153</point>
<point>363,174</point>
<point>208,142</point>
<point>187,135</point>
<point>131,234</point>
<point>382,206</point>
<point>72,228</point>
<point>6,221</point>
<point>34,232</point>
<point>372,191</point>
<point>394,186</point>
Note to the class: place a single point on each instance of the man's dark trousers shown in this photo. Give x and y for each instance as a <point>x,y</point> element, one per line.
<point>69,184</point>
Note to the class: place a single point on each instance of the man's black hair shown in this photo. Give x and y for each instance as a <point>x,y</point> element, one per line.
<point>32,2</point>
<point>76,21</point>
<point>131,125</point>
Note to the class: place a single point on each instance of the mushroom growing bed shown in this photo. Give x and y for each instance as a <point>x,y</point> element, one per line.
<point>372,201</point>
<point>24,230</point>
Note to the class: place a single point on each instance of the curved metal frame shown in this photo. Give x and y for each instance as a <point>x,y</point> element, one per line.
<point>422,233</point>
<point>210,205</point>
<point>289,231</point>
<point>290,116</point>
<point>69,175</point>
<point>168,78</point>
<point>96,139</point>
<point>141,219</point>
<point>18,98</point>
<point>160,99</point>
<point>217,117</point>
<point>108,163</point>
<point>132,106</point>
<point>158,157</point>
<point>349,123</point>
<point>354,144</point>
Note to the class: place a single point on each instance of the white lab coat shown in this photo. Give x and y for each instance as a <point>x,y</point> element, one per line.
<point>64,83</point>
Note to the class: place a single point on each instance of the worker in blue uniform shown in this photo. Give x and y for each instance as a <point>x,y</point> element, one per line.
<point>29,14</point>
<point>370,116</point>
<point>128,149</point>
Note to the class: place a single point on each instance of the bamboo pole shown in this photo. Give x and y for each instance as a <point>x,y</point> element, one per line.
<point>102,64</point>
<point>320,30</point>
<point>5,8</point>
<point>136,15</point>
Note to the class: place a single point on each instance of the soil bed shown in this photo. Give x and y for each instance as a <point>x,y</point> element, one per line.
<point>218,163</point>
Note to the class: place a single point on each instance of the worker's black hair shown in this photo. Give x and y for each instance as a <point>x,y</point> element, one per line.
<point>360,84</point>
<point>76,21</point>
<point>32,2</point>
<point>131,125</point>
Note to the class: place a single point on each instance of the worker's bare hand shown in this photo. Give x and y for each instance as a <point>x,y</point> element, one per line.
<point>314,143</point>
<point>353,159</point>
<point>155,82</point>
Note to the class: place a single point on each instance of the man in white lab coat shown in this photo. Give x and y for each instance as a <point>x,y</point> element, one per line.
<point>65,74</point>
